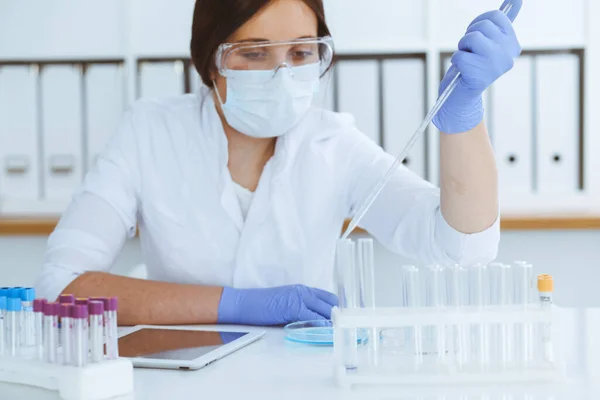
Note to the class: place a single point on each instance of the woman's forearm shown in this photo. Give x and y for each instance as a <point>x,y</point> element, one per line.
<point>151,302</point>
<point>469,180</point>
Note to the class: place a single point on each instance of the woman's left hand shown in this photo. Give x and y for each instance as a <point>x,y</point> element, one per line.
<point>486,52</point>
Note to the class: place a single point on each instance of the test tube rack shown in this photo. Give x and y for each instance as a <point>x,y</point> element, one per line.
<point>98,381</point>
<point>375,362</point>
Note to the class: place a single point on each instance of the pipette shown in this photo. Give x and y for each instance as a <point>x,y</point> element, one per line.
<point>428,118</point>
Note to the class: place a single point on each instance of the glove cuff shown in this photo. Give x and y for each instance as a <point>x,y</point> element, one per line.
<point>458,120</point>
<point>227,312</point>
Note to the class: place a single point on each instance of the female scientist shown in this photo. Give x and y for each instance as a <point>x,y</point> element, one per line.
<point>240,190</point>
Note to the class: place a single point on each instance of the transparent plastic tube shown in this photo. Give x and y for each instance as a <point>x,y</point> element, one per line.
<point>457,295</point>
<point>27,329</point>
<point>12,325</point>
<point>112,340</point>
<point>346,264</point>
<point>500,334</point>
<point>96,311</point>
<point>478,297</point>
<point>435,297</point>
<point>80,335</point>
<point>365,263</point>
<point>411,292</point>
<point>38,327</point>
<point>545,286</point>
<point>50,322</point>
<point>523,276</point>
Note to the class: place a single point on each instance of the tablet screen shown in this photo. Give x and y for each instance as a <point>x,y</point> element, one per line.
<point>173,344</point>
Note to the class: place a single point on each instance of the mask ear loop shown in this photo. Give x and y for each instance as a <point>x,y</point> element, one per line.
<point>217,92</point>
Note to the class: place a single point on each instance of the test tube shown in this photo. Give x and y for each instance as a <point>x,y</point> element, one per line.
<point>500,334</point>
<point>50,323</point>
<point>545,286</point>
<point>104,301</point>
<point>27,323</point>
<point>523,276</point>
<point>112,339</point>
<point>66,299</point>
<point>435,336</point>
<point>66,333</point>
<point>96,311</point>
<point>13,310</point>
<point>38,315</point>
<point>457,293</point>
<point>79,313</point>
<point>478,298</point>
<point>366,268</point>
<point>411,293</point>
<point>346,265</point>
<point>2,328</point>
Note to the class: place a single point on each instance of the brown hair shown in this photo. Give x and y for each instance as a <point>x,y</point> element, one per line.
<point>216,20</point>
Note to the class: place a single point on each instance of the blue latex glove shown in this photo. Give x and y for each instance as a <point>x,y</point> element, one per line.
<point>275,306</point>
<point>486,52</point>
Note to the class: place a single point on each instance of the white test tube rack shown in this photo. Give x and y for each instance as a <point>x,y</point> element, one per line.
<point>97,381</point>
<point>401,372</point>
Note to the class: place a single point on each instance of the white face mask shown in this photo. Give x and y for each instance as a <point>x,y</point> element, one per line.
<point>261,107</point>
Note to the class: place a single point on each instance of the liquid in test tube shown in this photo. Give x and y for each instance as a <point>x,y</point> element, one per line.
<point>51,332</point>
<point>38,316</point>
<point>66,333</point>
<point>27,328</point>
<point>2,319</point>
<point>79,314</point>
<point>96,311</point>
<point>12,322</point>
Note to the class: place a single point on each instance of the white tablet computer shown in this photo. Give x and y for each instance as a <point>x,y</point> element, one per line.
<point>180,348</point>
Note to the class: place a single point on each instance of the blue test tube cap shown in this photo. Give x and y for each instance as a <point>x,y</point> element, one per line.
<point>13,304</point>
<point>15,292</point>
<point>28,294</point>
<point>2,302</point>
<point>4,291</point>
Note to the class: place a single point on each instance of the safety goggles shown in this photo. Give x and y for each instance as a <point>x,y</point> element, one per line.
<point>267,58</point>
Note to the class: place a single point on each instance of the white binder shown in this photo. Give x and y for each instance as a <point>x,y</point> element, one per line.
<point>404,109</point>
<point>511,128</point>
<point>105,97</point>
<point>557,121</point>
<point>358,94</point>
<point>161,79</point>
<point>19,155</point>
<point>62,123</point>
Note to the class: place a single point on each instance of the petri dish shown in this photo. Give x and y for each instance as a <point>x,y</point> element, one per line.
<point>318,332</point>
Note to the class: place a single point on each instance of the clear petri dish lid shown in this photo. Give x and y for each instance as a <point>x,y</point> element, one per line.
<point>318,332</point>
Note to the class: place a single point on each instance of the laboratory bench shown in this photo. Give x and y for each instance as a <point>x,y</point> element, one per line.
<point>274,368</point>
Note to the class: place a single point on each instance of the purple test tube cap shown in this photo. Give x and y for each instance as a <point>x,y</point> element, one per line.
<point>113,304</point>
<point>66,299</point>
<point>81,301</point>
<point>79,311</point>
<point>65,310</point>
<point>38,305</point>
<point>96,307</point>
<point>51,309</point>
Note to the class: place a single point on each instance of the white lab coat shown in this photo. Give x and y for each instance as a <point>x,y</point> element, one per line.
<point>166,171</point>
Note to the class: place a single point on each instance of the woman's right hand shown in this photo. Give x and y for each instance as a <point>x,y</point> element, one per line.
<point>275,306</point>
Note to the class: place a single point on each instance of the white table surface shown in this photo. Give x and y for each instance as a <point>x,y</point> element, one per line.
<point>273,368</point>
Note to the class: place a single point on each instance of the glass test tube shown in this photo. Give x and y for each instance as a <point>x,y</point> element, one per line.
<point>500,290</point>
<point>523,276</point>
<point>50,323</point>
<point>435,336</point>
<point>38,315</point>
<point>366,269</point>
<point>2,321</point>
<point>66,333</point>
<point>545,286</point>
<point>96,311</point>
<point>112,339</point>
<point>478,297</point>
<point>79,313</point>
<point>13,310</point>
<point>457,294</point>
<point>346,264</point>
<point>414,337</point>
<point>27,322</point>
